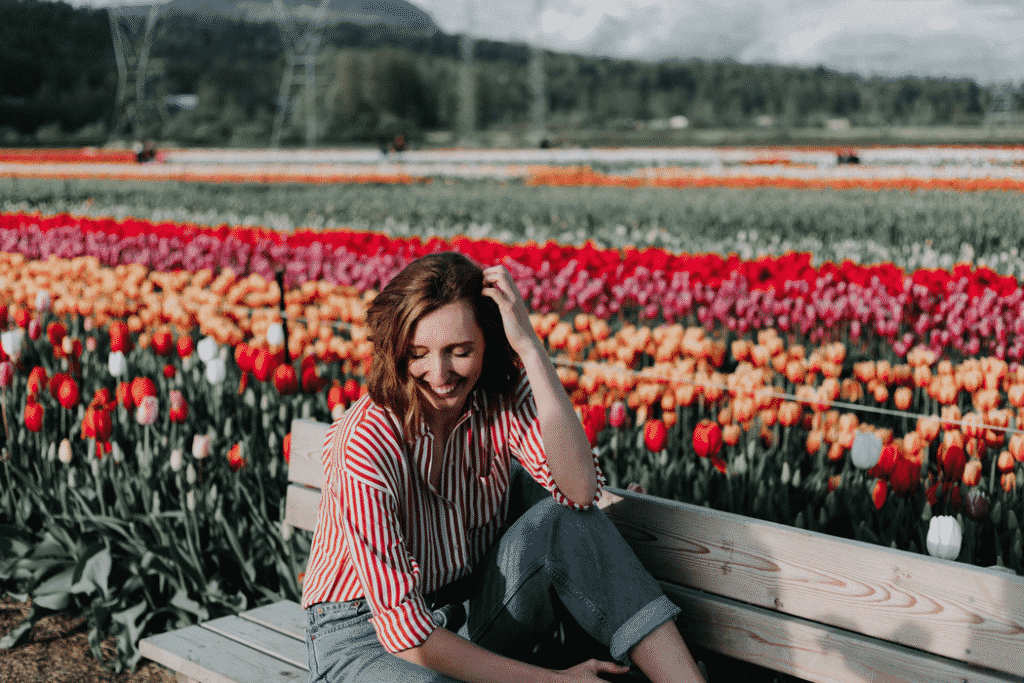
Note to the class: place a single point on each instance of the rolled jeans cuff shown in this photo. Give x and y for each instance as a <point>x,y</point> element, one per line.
<point>640,625</point>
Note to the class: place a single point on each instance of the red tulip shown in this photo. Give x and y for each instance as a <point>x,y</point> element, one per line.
<point>263,365</point>
<point>311,382</point>
<point>617,414</point>
<point>179,407</point>
<point>169,371</point>
<point>162,342</point>
<point>244,357</point>
<point>22,317</point>
<point>905,477</point>
<point>235,458</point>
<point>707,438</point>
<point>285,380</point>
<point>36,380</point>
<point>124,395</point>
<point>287,447</point>
<point>655,435</point>
<point>33,415</point>
<point>67,393</point>
<point>879,493</point>
<point>352,390</point>
<point>953,461</point>
<point>592,433</point>
<point>53,386</point>
<point>595,416</point>
<point>185,346</point>
<point>96,424</point>
<point>55,332</point>
<point>119,339</point>
<point>336,395</point>
<point>886,462</point>
<point>142,387</point>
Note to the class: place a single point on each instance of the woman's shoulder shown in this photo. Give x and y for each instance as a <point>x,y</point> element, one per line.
<point>365,439</point>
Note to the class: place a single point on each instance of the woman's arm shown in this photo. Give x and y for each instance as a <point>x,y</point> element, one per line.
<point>455,657</point>
<point>565,443</point>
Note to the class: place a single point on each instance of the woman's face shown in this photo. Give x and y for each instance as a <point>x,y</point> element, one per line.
<point>447,356</point>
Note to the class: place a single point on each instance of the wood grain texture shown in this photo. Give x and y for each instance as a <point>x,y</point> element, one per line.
<point>260,638</point>
<point>284,616</point>
<point>202,655</point>
<point>807,649</point>
<point>305,465</point>
<point>946,608</point>
<point>300,507</point>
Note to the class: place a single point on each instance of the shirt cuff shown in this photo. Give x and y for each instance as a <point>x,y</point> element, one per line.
<point>564,501</point>
<point>404,626</point>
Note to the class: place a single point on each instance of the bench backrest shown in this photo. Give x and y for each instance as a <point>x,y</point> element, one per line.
<point>773,581</point>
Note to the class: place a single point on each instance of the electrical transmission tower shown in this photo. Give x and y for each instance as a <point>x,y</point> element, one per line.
<point>537,81</point>
<point>132,35</point>
<point>1000,110</point>
<point>298,81</point>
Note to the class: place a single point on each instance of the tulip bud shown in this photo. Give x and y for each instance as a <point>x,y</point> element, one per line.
<point>200,446</point>
<point>6,373</point>
<point>190,501</point>
<point>13,341</point>
<point>44,302</point>
<point>190,475</point>
<point>35,329</point>
<point>71,479</point>
<point>275,334</point>
<point>91,344</point>
<point>866,450</point>
<point>216,370</point>
<point>176,460</point>
<point>147,410</point>
<point>207,349</point>
<point>286,532</point>
<point>64,452</point>
<point>117,363</point>
<point>617,414</point>
<point>976,505</point>
<point>944,537</point>
<point>337,411</point>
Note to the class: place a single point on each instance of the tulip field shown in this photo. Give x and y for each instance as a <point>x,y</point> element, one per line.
<point>848,360</point>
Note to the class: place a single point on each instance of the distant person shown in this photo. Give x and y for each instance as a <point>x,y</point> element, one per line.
<point>545,144</point>
<point>147,153</point>
<point>847,156</point>
<point>399,144</point>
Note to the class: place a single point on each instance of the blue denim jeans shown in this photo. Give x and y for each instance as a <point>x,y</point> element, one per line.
<point>552,567</point>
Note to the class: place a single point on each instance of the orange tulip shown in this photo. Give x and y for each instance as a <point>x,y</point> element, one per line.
<point>972,472</point>
<point>902,398</point>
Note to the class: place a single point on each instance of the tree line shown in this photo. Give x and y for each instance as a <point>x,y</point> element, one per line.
<point>57,72</point>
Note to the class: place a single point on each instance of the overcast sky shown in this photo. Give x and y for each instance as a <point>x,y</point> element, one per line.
<point>982,39</point>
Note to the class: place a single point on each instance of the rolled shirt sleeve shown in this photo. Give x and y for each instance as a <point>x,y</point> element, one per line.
<point>527,445</point>
<point>388,573</point>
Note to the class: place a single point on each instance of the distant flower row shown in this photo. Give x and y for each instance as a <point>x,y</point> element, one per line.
<point>968,309</point>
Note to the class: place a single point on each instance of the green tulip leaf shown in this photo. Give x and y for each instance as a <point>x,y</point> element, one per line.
<point>55,593</point>
<point>95,574</point>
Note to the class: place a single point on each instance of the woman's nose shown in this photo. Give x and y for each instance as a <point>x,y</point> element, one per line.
<point>439,367</point>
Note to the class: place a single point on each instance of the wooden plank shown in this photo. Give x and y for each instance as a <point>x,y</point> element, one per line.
<point>205,656</point>
<point>809,650</point>
<point>285,616</point>
<point>300,507</point>
<point>305,464</point>
<point>260,638</point>
<point>947,608</point>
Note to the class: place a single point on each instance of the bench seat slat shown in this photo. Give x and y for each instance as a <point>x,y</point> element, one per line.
<point>260,638</point>
<point>202,655</point>
<point>305,465</point>
<point>950,609</point>
<point>301,506</point>
<point>284,616</point>
<point>809,650</point>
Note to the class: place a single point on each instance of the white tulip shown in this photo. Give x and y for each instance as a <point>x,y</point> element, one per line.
<point>216,371</point>
<point>275,334</point>
<point>64,452</point>
<point>190,475</point>
<point>13,341</point>
<point>117,363</point>
<point>207,349</point>
<point>44,301</point>
<point>944,537</point>
<point>866,450</point>
<point>176,459</point>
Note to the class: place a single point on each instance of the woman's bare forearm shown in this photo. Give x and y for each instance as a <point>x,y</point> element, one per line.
<point>565,443</point>
<point>454,656</point>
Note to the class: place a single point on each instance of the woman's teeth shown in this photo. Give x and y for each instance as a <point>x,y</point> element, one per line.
<point>445,390</point>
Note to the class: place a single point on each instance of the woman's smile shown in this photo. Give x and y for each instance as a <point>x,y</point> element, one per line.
<point>446,357</point>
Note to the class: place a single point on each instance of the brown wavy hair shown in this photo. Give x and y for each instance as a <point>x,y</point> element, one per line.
<point>422,287</point>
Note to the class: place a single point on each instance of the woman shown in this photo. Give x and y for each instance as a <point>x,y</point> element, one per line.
<point>438,556</point>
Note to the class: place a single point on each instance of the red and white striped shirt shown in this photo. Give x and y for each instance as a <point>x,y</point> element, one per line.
<point>384,534</point>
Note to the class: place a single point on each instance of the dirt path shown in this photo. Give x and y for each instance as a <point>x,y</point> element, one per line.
<point>57,651</point>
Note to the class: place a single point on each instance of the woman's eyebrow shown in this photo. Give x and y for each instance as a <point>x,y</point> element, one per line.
<point>469,344</point>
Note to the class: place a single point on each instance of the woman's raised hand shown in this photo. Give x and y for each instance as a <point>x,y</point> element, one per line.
<point>499,285</point>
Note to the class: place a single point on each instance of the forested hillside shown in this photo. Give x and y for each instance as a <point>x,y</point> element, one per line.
<point>57,73</point>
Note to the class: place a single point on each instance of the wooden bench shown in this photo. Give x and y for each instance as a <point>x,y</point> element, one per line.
<point>798,602</point>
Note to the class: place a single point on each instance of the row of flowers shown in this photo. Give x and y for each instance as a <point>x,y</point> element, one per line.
<point>966,310</point>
